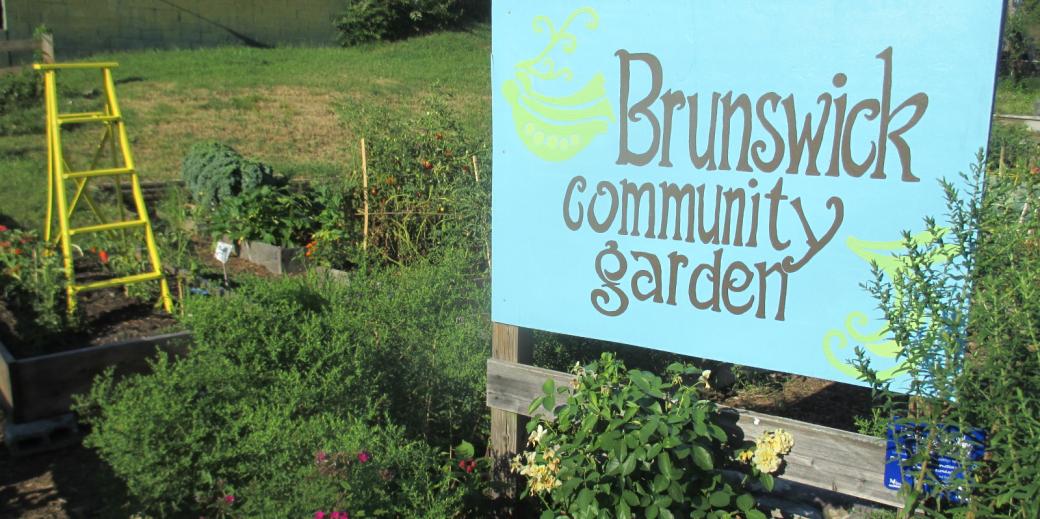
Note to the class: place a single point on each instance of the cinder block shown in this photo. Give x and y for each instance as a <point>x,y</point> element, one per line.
<point>42,435</point>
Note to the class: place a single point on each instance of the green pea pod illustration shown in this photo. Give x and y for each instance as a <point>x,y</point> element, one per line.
<point>890,257</point>
<point>556,128</point>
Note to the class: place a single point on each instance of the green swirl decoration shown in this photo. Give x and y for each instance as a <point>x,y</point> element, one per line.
<point>890,257</point>
<point>556,128</point>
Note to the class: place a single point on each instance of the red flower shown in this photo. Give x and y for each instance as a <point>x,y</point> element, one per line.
<point>103,256</point>
<point>467,465</point>
<point>17,252</point>
<point>3,228</point>
<point>229,499</point>
<point>363,457</point>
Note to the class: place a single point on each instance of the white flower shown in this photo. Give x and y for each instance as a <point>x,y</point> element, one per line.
<point>536,435</point>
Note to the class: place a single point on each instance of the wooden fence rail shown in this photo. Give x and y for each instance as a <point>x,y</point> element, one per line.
<point>44,44</point>
<point>822,457</point>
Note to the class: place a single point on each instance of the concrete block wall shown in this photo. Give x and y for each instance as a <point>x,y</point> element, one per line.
<point>87,26</point>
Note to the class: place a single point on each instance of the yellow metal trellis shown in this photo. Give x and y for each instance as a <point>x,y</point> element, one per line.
<point>59,172</point>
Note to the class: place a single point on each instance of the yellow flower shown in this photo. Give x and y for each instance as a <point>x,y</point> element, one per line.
<point>516,464</point>
<point>779,440</point>
<point>746,455</point>
<point>766,459</point>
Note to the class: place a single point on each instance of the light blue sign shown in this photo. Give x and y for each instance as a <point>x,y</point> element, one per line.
<point>713,178</point>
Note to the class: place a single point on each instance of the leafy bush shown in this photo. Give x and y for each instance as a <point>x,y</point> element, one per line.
<point>275,215</point>
<point>628,444</point>
<point>1017,145</point>
<point>214,172</point>
<point>374,20</point>
<point>21,103</point>
<point>283,368</point>
<point>972,367</point>
<point>32,280</point>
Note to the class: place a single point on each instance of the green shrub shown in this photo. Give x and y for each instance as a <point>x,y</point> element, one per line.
<point>970,366</point>
<point>215,172</point>
<point>1002,389</point>
<point>1016,143</point>
<point>628,444</point>
<point>21,103</point>
<point>32,282</point>
<point>374,20</point>
<point>282,368</point>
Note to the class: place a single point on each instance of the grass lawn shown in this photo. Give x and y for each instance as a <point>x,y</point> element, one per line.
<point>289,107</point>
<point>1018,98</point>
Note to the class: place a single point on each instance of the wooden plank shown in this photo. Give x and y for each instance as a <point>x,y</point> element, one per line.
<point>43,386</point>
<point>19,45</point>
<point>6,391</point>
<point>509,344</point>
<point>822,457</point>
<point>47,48</point>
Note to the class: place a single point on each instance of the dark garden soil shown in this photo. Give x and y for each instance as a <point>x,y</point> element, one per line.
<point>812,400</point>
<point>67,483</point>
<point>107,316</point>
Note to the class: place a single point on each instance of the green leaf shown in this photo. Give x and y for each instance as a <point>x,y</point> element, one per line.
<point>651,513</point>
<point>666,514</point>
<point>629,465</point>
<point>702,458</point>
<point>745,502</point>
<point>465,449</point>
<point>719,499</point>
<point>623,510</point>
<point>660,483</point>
<point>664,464</point>
<point>549,387</point>
<point>755,514</point>
<point>767,482</point>
<point>630,497</point>
<point>613,466</point>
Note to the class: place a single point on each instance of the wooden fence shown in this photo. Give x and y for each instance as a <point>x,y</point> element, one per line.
<point>45,44</point>
<point>830,459</point>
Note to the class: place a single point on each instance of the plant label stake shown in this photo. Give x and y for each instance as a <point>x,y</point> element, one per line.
<point>223,252</point>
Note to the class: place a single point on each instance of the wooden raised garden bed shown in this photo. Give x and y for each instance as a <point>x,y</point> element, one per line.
<point>39,387</point>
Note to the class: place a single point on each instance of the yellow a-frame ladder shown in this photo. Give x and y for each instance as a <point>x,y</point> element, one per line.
<point>58,173</point>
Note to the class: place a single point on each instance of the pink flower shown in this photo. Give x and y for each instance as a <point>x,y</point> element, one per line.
<point>363,457</point>
<point>3,228</point>
<point>229,499</point>
<point>319,515</point>
<point>320,457</point>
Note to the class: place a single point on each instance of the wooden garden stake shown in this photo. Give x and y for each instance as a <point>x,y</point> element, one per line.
<point>364,186</point>
<point>47,48</point>
<point>476,173</point>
